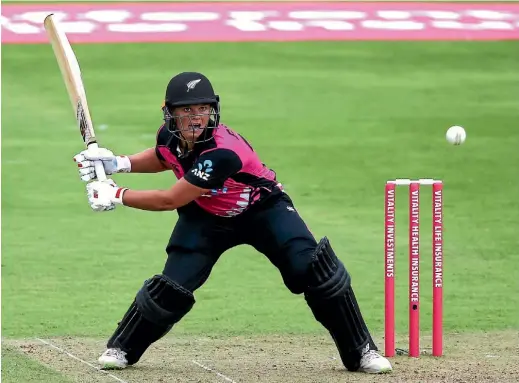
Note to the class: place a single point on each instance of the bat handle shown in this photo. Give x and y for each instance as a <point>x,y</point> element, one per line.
<point>98,165</point>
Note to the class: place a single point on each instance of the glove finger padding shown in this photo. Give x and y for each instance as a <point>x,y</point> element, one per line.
<point>87,174</point>
<point>96,207</point>
<point>79,158</point>
<point>85,160</point>
<point>88,177</point>
<point>85,164</point>
<point>86,171</point>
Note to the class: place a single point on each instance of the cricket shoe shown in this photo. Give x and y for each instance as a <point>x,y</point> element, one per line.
<point>113,358</point>
<point>373,363</point>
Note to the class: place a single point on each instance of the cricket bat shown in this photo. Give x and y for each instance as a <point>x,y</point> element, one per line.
<point>71,74</point>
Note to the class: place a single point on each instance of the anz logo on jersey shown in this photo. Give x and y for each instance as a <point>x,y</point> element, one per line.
<point>203,170</point>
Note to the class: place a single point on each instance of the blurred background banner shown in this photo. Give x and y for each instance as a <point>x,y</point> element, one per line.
<point>155,22</point>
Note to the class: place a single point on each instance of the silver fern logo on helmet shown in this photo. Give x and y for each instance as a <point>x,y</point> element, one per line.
<point>192,84</point>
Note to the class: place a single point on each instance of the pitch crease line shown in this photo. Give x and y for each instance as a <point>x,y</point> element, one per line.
<point>216,372</point>
<point>81,360</point>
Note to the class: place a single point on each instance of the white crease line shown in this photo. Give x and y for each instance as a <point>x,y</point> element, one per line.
<point>80,360</point>
<point>216,372</point>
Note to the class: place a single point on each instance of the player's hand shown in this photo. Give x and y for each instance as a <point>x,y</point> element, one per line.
<point>104,195</point>
<point>111,163</point>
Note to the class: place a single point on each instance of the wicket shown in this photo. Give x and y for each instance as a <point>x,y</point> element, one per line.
<point>414,265</point>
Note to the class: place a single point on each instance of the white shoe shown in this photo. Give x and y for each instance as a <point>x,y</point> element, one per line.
<point>373,363</point>
<point>113,358</point>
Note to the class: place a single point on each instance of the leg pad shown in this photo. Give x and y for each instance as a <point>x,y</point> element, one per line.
<point>333,303</point>
<point>158,305</point>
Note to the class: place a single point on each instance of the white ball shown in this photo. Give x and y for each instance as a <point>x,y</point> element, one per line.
<point>456,135</point>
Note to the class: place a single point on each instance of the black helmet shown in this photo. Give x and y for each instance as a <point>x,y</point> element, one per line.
<point>191,88</point>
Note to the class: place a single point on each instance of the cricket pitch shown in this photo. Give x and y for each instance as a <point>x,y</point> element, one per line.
<point>485,357</point>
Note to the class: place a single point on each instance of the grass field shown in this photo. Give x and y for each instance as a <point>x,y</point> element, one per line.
<point>335,120</point>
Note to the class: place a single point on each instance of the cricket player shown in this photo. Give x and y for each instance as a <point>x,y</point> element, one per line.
<point>224,196</point>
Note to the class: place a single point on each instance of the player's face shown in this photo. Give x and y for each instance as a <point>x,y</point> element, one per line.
<point>192,120</point>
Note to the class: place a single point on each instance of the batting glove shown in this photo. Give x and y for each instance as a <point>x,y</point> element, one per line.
<point>112,164</point>
<point>104,195</point>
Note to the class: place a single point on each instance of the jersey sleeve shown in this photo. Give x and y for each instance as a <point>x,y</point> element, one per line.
<point>214,167</point>
<point>159,156</point>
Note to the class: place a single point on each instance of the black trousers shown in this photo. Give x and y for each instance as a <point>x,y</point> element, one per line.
<point>274,228</point>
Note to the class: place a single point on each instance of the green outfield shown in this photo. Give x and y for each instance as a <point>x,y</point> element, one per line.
<point>335,120</point>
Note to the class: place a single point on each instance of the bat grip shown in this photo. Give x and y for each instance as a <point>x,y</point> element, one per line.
<point>98,165</point>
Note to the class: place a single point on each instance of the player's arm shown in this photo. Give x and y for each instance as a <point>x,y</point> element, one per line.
<point>209,172</point>
<point>162,200</point>
<point>146,162</point>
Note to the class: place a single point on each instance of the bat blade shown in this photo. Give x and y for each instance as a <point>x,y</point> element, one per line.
<point>71,73</point>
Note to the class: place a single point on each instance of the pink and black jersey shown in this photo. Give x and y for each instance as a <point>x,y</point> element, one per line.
<point>227,165</point>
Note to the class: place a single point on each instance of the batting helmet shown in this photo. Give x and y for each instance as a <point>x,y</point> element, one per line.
<point>191,88</point>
